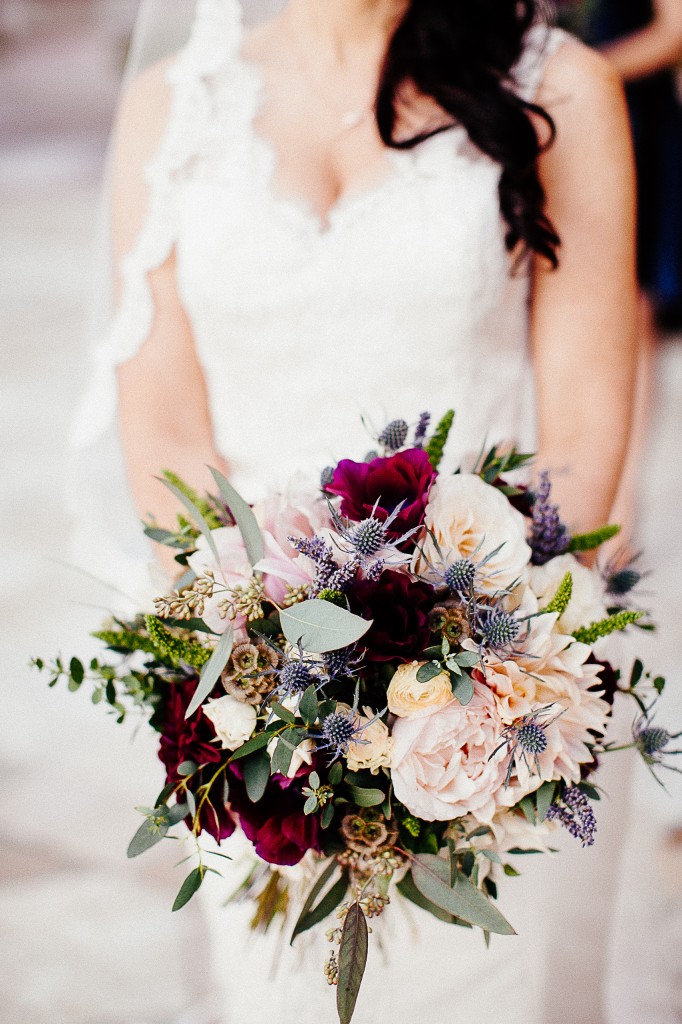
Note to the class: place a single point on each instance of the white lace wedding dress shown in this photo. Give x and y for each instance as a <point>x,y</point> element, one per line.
<point>403,301</point>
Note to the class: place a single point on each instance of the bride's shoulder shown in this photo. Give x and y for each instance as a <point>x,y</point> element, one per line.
<point>145,102</point>
<point>574,77</point>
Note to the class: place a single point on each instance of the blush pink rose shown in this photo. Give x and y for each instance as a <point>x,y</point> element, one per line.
<point>442,766</point>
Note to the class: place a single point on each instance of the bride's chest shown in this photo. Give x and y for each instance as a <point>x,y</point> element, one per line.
<point>428,230</point>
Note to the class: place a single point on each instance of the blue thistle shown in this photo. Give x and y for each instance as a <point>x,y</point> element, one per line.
<point>294,677</point>
<point>394,435</point>
<point>574,812</point>
<point>498,628</point>
<point>338,732</point>
<point>549,535</point>
<point>459,576</point>
<point>652,742</point>
<point>368,537</point>
<point>341,663</point>
<point>526,738</point>
<point>326,477</point>
<point>532,739</point>
<point>364,540</point>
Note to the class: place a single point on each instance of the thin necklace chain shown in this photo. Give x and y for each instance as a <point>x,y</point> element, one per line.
<point>349,118</point>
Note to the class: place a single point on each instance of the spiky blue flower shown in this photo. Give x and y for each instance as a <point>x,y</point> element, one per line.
<point>338,731</point>
<point>574,812</point>
<point>368,537</point>
<point>549,535</point>
<point>498,628</point>
<point>532,738</point>
<point>326,477</point>
<point>295,677</point>
<point>525,739</point>
<point>459,576</point>
<point>394,435</point>
<point>653,743</point>
<point>341,663</point>
<point>421,430</point>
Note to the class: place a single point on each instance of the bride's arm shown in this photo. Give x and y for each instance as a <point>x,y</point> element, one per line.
<point>163,404</point>
<point>583,314</point>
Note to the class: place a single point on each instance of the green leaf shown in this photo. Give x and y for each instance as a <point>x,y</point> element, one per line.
<point>409,890</point>
<point>594,539</point>
<point>312,896</point>
<point>327,815</point>
<point>314,780</point>
<point>256,776</point>
<point>429,671</point>
<point>462,687</point>
<point>658,684</point>
<point>511,871</point>
<point>211,670</point>
<point>589,791</point>
<point>367,797</point>
<point>177,812</point>
<point>518,852</point>
<point>76,671</point>
<point>528,808</point>
<point>467,659</point>
<point>187,768</point>
<point>308,707</point>
<point>321,626</point>
<point>543,799</point>
<point>281,757</point>
<point>352,962</point>
<point>310,806</point>
<point>432,877</point>
<point>326,906</point>
<point>335,774</point>
<point>189,887</point>
<point>243,517</point>
<point>147,835</point>
<point>284,715</point>
<point>257,743</point>
<point>195,515</point>
<point>636,674</point>
<point>482,830</point>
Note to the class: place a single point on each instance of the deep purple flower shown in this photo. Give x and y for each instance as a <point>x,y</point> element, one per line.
<point>549,535</point>
<point>385,483</point>
<point>193,740</point>
<point>279,830</point>
<point>574,812</point>
<point>400,609</point>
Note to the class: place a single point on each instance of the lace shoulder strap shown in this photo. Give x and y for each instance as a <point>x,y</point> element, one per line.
<point>214,39</point>
<point>540,44</point>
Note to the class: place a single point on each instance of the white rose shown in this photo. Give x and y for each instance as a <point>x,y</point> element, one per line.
<point>468,518</point>
<point>233,720</point>
<point>303,754</point>
<point>373,748</point>
<point>587,597</point>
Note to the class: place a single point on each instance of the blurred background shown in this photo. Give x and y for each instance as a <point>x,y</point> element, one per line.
<point>87,937</point>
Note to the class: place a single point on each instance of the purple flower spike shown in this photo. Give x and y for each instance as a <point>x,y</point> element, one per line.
<point>549,536</point>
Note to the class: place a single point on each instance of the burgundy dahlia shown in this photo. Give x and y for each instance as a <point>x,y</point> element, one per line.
<point>405,477</point>
<point>400,609</point>
<point>193,740</point>
<point>279,830</point>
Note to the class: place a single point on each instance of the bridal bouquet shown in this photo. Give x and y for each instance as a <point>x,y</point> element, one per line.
<point>395,677</point>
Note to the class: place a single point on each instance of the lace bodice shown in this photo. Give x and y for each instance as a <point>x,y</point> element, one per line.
<point>403,301</point>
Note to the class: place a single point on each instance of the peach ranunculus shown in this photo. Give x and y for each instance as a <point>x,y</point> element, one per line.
<point>373,749</point>
<point>468,518</point>
<point>408,698</point>
<point>442,765</point>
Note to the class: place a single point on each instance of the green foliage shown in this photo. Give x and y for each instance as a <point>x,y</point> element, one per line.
<point>256,775</point>
<point>333,596</point>
<point>203,504</point>
<point>352,962</point>
<point>560,601</point>
<point>435,446</point>
<point>189,887</point>
<point>244,517</point>
<point>495,464</point>
<point>317,888</point>
<point>594,539</point>
<point>611,624</point>
<point>172,647</point>
<point>311,915</point>
<point>126,640</point>
<point>321,627</point>
<point>210,673</point>
<point>462,898</point>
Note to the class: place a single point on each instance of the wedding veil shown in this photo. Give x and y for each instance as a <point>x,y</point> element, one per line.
<point>106,538</point>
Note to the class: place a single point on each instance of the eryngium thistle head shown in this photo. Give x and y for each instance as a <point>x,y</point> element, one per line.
<point>460,575</point>
<point>394,435</point>
<point>368,537</point>
<point>652,740</point>
<point>498,628</point>
<point>341,662</point>
<point>531,738</point>
<point>326,477</point>
<point>338,730</point>
<point>295,677</point>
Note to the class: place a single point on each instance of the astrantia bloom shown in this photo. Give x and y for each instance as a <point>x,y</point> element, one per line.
<point>469,519</point>
<point>377,487</point>
<point>442,764</point>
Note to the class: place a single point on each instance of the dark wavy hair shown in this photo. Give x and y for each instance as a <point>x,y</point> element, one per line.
<point>461,52</point>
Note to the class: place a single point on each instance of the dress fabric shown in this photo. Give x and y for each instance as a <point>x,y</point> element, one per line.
<point>404,301</point>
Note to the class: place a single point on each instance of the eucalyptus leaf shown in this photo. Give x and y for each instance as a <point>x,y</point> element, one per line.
<point>324,908</point>
<point>432,877</point>
<point>308,706</point>
<point>367,797</point>
<point>147,836</point>
<point>76,671</point>
<point>327,815</point>
<point>528,808</point>
<point>188,888</point>
<point>210,673</point>
<point>284,715</point>
<point>317,888</point>
<point>409,890</point>
<point>321,626</point>
<point>335,774</point>
<point>257,743</point>
<point>191,802</point>
<point>187,768</point>
<point>429,671</point>
<point>310,806</point>
<point>256,775</point>
<point>243,517</point>
<point>544,798</point>
<point>463,687</point>
<point>195,515</point>
<point>467,659</point>
<point>177,812</point>
<point>281,758</point>
<point>352,962</point>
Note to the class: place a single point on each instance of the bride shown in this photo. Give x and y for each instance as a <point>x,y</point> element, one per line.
<point>373,207</point>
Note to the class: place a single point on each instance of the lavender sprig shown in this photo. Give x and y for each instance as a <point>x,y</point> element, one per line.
<point>549,535</point>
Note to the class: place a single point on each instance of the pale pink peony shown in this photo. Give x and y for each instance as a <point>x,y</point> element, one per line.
<point>442,766</point>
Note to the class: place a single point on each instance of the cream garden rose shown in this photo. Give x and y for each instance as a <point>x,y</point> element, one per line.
<point>373,750</point>
<point>467,518</point>
<point>233,720</point>
<point>408,698</point>
<point>587,596</point>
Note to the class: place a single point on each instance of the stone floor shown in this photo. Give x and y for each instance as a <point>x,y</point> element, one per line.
<point>86,937</point>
